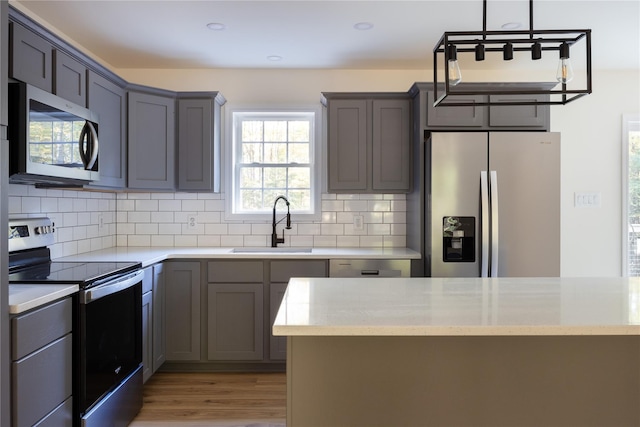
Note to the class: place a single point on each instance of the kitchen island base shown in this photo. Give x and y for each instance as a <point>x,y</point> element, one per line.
<point>463,381</point>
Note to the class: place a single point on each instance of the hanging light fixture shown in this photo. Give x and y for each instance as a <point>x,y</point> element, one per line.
<point>455,91</point>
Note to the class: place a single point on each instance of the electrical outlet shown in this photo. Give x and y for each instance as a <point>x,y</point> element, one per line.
<point>358,222</point>
<point>100,221</point>
<point>192,221</point>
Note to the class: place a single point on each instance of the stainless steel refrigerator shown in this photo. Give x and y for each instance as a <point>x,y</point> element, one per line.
<point>493,204</point>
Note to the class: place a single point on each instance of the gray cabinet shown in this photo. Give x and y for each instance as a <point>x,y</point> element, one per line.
<point>199,127</point>
<point>153,320</point>
<point>147,331</point>
<point>235,310</point>
<point>281,272</point>
<point>41,366</point>
<point>159,317</point>
<point>69,78</point>
<point>151,136</point>
<point>182,310</point>
<point>109,101</point>
<point>30,57</point>
<point>369,143</point>
<point>481,117</point>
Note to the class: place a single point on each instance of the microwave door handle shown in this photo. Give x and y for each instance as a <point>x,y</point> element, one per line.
<point>94,146</point>
<point>88,132</point>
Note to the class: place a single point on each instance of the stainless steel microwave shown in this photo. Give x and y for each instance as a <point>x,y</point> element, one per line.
<point>52,142</point>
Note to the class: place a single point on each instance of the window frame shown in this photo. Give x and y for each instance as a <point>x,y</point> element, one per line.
<point>230,172</point>
<point>629,122</point>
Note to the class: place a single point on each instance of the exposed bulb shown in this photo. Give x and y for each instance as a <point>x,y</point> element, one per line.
<point>455,76</point>
<point>564,74</point>
<point>565,71</point>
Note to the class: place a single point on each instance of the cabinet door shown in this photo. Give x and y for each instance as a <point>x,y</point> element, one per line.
<point>347,144</point>
<point>159,322</point>
<point>198,144</point>
<point>147,335</point>
<point>391,145</point>
<point>108,100</point>
<point>69,78</point>
<point>182,305</point>
<point>455,116</point>
<point>277,345</point>
<point>235,313</point>
<point>151,141</point>
<point>31,58</point>
<point>519,116</point>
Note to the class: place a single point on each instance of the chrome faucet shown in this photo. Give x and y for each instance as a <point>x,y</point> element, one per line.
<point>274,235</point>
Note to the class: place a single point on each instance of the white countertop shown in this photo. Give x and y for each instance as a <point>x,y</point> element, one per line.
<point>459,307</point>
<point>26,297</point>
<point>152,255</point>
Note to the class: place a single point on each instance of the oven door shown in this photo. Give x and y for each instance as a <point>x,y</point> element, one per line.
<point>110,341</point>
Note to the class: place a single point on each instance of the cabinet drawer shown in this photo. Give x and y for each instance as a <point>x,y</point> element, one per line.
<point>62,416</point>
<point>41,381</point>
<point>38,328</point>
<point>282,271</point>
<point>235,271</point>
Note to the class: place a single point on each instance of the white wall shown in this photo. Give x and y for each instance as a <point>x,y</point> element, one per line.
<point>590,127</point>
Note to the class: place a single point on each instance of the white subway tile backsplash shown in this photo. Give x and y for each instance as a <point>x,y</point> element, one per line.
<point>95,220</point>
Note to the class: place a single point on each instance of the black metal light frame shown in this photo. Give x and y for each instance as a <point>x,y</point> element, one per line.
<point>535,41</point>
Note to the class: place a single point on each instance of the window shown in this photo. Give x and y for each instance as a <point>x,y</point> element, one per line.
<point>631,186</point>
<point>273,153</point>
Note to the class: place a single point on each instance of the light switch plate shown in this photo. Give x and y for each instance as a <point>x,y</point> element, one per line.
<point>587,199</point>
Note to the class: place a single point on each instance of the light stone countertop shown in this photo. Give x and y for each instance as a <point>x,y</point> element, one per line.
<point>24,297</point>
<point>459,307</point>
<point>152,255</point>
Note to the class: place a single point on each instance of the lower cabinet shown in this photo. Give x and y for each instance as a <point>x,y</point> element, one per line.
<point>224,321</point>
<point>153,320</point>
<point>182,310</point>
<point>41,366</point>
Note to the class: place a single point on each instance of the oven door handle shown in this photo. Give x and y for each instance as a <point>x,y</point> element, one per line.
<point>111,287</point>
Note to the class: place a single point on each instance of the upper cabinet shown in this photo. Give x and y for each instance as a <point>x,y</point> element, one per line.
<point>369,142</point>
<point>108,99</point>
<point>69,78</point>
<point>481,117</point>
<point>199,128</point>
<point>151,136</point>
<point>30,57</point>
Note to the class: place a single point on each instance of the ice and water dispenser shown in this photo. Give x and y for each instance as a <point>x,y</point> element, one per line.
<point>458,239</point>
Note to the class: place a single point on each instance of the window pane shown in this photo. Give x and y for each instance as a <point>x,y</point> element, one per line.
<point>299,131</point>
<point>270,197</point>
<point>251,130</point>
<point>275,153</point>
<point>275,131</point>
<point>299,178</point>
<point>275,178</point>
<point>300,199</point>
<point>299,153</point>
<point>251,153</point>
<point>251,199</point>
<point>634,200</point>
<point>251,178</point>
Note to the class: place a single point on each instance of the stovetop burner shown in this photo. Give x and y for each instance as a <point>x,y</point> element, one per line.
<point>85,274</point>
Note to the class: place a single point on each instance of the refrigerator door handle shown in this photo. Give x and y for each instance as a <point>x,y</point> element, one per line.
<point>484,203</point>
<point>494,223</point>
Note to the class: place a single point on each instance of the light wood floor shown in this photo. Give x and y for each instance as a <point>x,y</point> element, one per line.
<point>213,400</point>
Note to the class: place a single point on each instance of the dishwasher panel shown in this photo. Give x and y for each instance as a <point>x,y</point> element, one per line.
<point>369,268</point>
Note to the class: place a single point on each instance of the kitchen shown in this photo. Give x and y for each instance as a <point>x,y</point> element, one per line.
<point>591,237</point>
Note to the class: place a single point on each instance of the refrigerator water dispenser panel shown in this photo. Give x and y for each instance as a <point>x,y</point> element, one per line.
<point>458,239</point>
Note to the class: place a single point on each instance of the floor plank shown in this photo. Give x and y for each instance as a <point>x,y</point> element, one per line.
<point>203,399</point>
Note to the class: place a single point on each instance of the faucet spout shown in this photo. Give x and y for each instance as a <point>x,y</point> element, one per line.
<point>274,235</point>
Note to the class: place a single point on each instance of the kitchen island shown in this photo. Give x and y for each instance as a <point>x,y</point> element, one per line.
<point>462,352</point>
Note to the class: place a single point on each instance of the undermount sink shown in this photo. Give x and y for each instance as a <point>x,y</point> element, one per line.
<point>288,250</point>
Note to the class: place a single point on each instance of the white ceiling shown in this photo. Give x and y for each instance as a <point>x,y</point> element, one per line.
<point>317,34</point>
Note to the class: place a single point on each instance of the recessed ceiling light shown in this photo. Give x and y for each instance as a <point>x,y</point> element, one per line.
<point>363,26</point>
<point>274,58</point>
<point>216,26</point>
<point>511,26</point>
